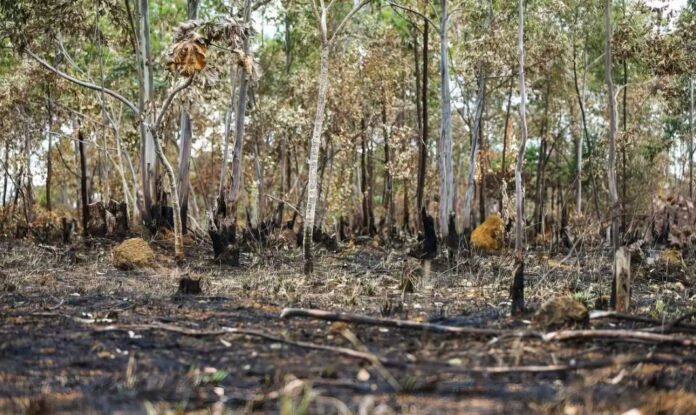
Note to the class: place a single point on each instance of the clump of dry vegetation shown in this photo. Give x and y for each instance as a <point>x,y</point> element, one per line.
<point>133,253</point>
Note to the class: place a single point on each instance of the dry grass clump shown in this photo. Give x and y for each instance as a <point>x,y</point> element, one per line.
<point>488,236</point>
<point>669,402</point>
<point>559,312</point>
<point>133,253</point>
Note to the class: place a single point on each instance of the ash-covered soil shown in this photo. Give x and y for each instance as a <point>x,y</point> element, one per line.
<point>79,336</point>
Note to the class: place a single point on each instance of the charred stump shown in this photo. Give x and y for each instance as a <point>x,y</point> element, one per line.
<point>319,237</point>
<point>517,289</point>
<point>222,230</point>
<point>453,238</point>
<point>109,220</point>
<point>162,217</point>
<point>97,220</point>
<point>119,210</point>
<point>621,285</point>
<point>69,226</point>
<point>429,246</point>
<point>189,286</point>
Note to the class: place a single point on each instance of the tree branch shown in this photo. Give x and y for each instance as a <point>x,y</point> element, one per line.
<point>348,17</point>
<point>398,6</point>
<point>168,102</point>
<point>82,83</point>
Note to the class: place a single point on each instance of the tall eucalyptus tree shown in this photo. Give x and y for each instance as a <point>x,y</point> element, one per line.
<point>327,39</point>
<point>517,290</point>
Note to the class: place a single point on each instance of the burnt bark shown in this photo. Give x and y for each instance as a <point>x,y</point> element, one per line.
<point>83,182</point>
<point>365,181</point>
<point>6,173</point>
<point>186,138</point>
<point>517,288</point>
<point>423,145</point>
<point>49,162</point>
<point>388,201</point>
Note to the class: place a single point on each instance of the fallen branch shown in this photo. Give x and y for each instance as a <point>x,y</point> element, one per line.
<point>562,335</point>
<point>680,320</point>
<point>626,335</point>
<point>601,314</point>
<point>660,326</point>
<point>433,366</point>
<point>249,332</point>
<point>567,367</point>
<point>402,324</point>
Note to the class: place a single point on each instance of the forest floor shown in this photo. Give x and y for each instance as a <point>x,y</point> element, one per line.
<point>78,335</point>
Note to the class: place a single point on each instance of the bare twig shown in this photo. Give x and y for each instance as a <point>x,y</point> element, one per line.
<point>403,324</point>
<point>676,324</point>
<point>624,335</point>
<point>248,332</point>
<point>82,83</point>
<point>566,367</point>
<point>679,321</point>
<point>434,366</point>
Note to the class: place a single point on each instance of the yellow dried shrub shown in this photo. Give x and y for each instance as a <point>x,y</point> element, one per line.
<point>133,253</point>
<point>488,236</point>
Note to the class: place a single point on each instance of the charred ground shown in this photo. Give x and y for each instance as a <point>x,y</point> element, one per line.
<point>80,335</point>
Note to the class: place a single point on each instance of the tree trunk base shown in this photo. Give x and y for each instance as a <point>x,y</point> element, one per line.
<point>622,281</point>
<point>110,220</point>
<point>517,289</point>
<point>188,286</point>
<point>69,226</point>
<point>162,216</point>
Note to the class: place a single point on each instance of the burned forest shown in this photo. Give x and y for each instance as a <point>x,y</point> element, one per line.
<point>347,207</point>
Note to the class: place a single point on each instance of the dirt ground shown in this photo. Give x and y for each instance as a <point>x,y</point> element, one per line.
<point>79,336</point>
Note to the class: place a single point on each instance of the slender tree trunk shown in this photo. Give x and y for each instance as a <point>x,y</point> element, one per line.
<point>417,73</point>
<point>482,169</point>
<point>169,171</point>
<point>18,190</point>
<point>284,159</point>
<point>517,290</point>
<point>234,74</point>
<point>148,157</point>
<point>318,127</point>
<point>388,201</point>
<point>366,180</point>
<point>475,136</point>
<point>104,154</point>
<point>541,167</point>
<point>127,195</point>
<point>611,167</point>
<point>314,157</point>
<point>507,129</point>
<point>29,179</point>
<point>691,140</point>
<point>423,145</point>
<point>624,119</point>
<point>6,173</point>
<point>84,194</point>
<point>186,138</point>
<point>49,162</point>
<point>193,9</point>
<point>476,140</point>
<point>325,189</point>
<point>406,219</point>
<point>624,176</point>
<point>238,154</point>
<point>445,144</point>
<point>258,169</point>
<point>587,139</point>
